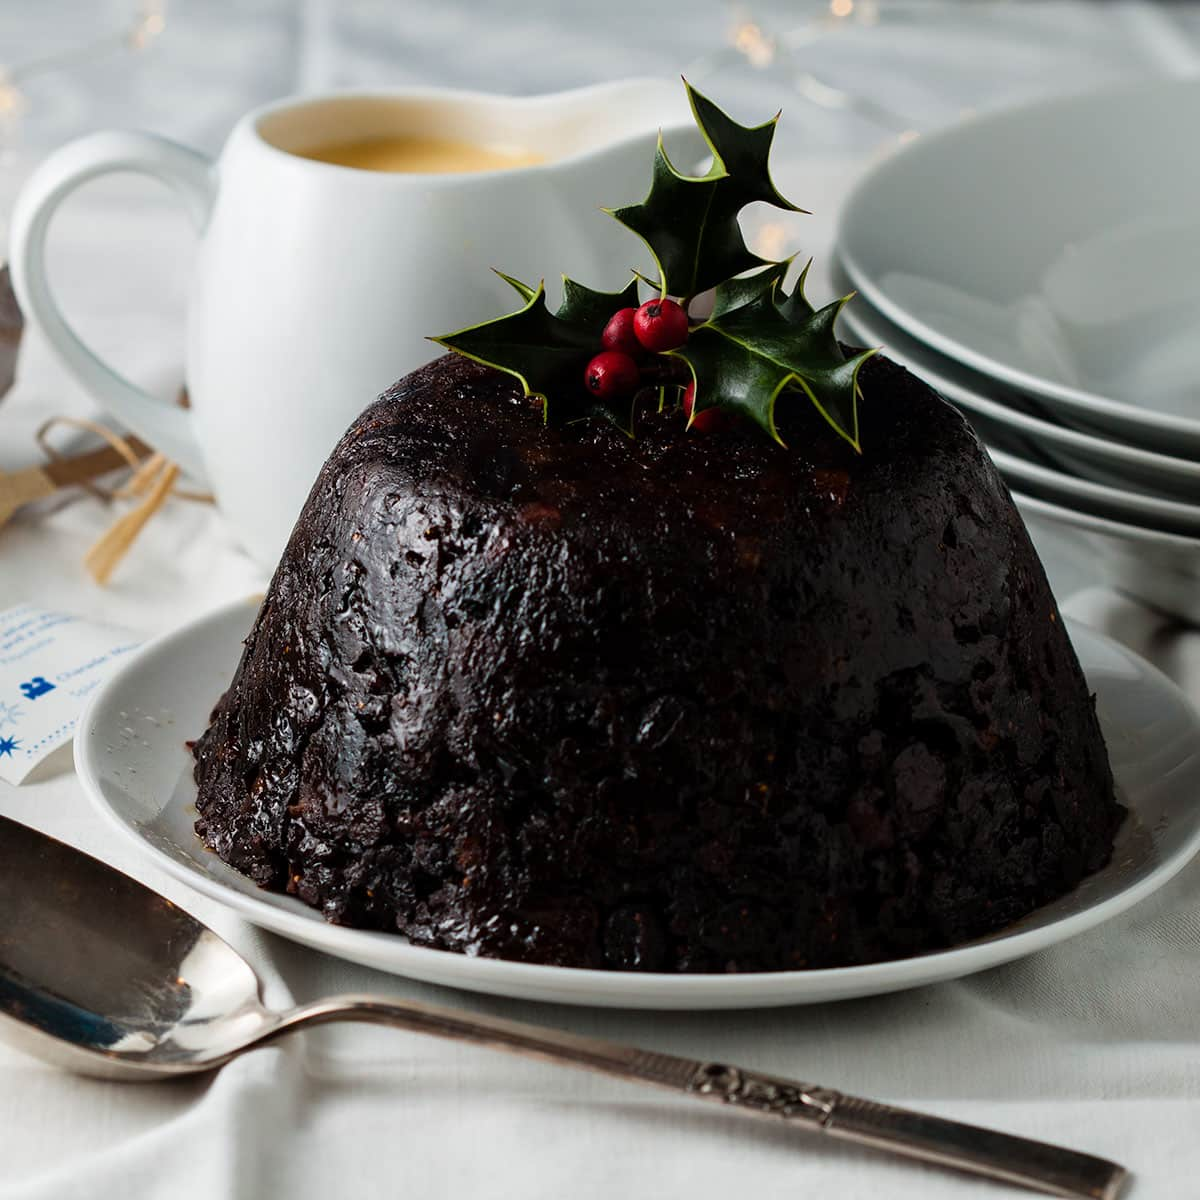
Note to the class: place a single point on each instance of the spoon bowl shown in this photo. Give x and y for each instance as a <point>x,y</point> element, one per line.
<point>102,976</point>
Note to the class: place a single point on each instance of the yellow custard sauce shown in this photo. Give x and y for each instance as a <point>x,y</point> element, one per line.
<point>421,156</point>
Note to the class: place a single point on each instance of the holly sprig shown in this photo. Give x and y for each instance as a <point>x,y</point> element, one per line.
<point>759,343</point>
<point>762,341</point>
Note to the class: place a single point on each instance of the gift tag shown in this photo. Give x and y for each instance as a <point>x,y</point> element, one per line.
<point>50,662</point>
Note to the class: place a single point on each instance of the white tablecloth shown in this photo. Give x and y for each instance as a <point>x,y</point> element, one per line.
<point>1094,1043</point>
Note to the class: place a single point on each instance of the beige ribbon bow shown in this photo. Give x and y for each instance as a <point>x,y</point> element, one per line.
<point>152,481</point>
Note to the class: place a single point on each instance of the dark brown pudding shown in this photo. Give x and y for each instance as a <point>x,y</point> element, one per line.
<point>676,703</point>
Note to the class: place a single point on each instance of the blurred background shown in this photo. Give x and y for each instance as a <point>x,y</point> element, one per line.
<point>855,78</point>
<point>189,68</point>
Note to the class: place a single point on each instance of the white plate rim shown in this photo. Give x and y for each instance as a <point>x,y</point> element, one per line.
<point>1107,525</point>
<point>630,990</point>
<point>1119,453</point>
<point>1080,399</point>
<point>1084,491</point>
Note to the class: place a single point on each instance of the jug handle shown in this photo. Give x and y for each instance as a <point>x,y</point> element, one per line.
<point>165,426</point>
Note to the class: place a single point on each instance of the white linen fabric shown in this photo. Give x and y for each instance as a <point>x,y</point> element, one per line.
<point>1093,1043</point>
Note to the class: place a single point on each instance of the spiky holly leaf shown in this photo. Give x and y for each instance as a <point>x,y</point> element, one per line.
<point>581,305</point>
<point>797,311</point>
<point>585,306</point>
<point>691,231</point>
<point>746,289</point>
<point>744,150</point>
<point>549,352</point>
<point>758,344</point>
<point>546,353</point>
<point>795,307</point>
<point>523,290</point>
<point>690,223</point>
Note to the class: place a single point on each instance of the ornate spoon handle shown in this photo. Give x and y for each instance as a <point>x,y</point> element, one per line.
<point>1000,1156</point>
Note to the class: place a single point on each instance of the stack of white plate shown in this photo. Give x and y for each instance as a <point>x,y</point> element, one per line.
<point>1041,268</point>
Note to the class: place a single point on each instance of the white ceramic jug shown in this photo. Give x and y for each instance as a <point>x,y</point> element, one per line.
<point>316,285</point>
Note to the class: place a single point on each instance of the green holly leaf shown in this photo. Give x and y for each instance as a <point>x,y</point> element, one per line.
<point>549,352</point>
<point>737,293</point>
<point>690,224</point>
<point>546,353</point>
<point>796,308</point>
<point>690,229</point>
<point>821,326</point>
<point>586,307</point>
<point>743,149</point>
<point>523,290</point>
<point>758,345</point>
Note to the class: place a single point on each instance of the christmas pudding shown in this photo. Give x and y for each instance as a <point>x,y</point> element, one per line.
<point>621,647</point>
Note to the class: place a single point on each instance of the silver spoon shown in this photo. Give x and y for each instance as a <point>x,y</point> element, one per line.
<point>101,975</point>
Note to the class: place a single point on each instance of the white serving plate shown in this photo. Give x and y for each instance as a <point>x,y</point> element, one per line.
<point>1054,247</point>
<point>1103,460</point>
<point>132,761</point>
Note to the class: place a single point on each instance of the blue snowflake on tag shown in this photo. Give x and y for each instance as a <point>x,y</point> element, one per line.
<point>10,714</point>
<point>8,747</point>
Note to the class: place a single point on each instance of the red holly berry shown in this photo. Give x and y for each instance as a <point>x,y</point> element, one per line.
<point>661,325</point>
<point>709,420</point>
<point>618,333</point>
<point>611,374</point>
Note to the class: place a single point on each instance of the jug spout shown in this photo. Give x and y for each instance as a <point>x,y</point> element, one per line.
<point>595,119</point>
<point>599,143</point>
